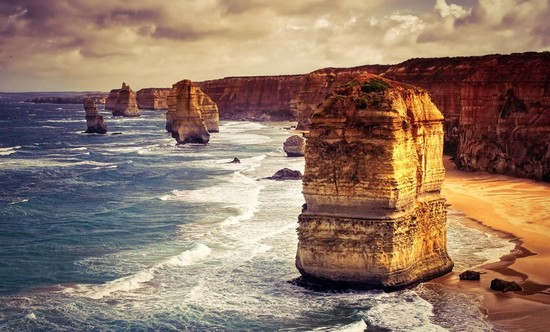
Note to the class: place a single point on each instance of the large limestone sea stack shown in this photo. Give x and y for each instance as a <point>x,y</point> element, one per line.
<point>122,102</point>
<point>184,117</point>
<point>374,216</point>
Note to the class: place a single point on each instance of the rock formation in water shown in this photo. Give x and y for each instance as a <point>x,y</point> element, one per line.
<point>122,102</point>
<point>374,216</point>
<point>285,174</point>
<point>295,146</point>
<point>496,107</point>
<point>152,98</point>
<point>183,118</point>
<point>94,121</point>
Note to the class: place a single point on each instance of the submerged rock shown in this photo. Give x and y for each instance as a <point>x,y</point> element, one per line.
<point>122,102</point>
<point>375,217</point>
<point>285,174</point>
<point>294,146</point>
<point>94,121</point>
<point>183,118</point>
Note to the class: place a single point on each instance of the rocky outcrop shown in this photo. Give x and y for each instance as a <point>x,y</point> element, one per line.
<point>470,275</point>
<point>183,118</point>
<point>285,174</point>
<point>374,216</point>
<point>122,102</point>
<point>294,146</point>
<point>152,98</point>
<point>94,121</point>
<point>505,286</point>
<point>496,107</point>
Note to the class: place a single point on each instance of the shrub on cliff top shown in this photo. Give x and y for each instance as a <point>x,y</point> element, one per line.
<point>373,85</point>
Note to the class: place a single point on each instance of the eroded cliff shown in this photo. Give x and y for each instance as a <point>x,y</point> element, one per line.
<point>496,107</point>
<point>152,98</point>
<point>374,216</point>
<point>184,118</point>
<point>122,102</point>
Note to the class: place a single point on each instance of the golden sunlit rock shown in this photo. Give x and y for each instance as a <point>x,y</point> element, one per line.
<point>374,216</point>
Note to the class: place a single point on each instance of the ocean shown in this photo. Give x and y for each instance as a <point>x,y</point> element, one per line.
<point>132,232</point>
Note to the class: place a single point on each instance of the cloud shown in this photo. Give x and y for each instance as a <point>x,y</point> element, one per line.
<point>60,45</point>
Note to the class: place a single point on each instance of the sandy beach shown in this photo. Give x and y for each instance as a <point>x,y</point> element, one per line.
<point>518,209</point>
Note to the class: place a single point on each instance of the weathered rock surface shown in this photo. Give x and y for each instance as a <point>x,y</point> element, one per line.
<point>94,121</point>
<point>496,107</point>
<point>183,118</point>
<point>209,111</point>
<point>505,286</point>
<point>374,216</point>
<point>152,98</point>
<point>469,275</point>
<point>256,98</point>
<point>122,102</point>
<point>285,174</point>
<point>295,146</point>
<point>318,84</point>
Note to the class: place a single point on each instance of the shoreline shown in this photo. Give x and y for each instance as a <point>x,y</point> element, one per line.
<point>515,209</point>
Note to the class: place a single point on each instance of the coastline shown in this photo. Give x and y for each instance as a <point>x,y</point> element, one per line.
<point>514,208</point>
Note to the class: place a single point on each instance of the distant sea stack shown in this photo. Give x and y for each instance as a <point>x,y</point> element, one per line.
<point>122,102</point>
<point>152,98</point>
<point>94,121</point>
<point>374,216</point>
<point>184,118</point>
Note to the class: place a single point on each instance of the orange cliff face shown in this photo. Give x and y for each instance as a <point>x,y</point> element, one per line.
<point>152,98</point>
<point>496,108</point>
<point>256,98</point>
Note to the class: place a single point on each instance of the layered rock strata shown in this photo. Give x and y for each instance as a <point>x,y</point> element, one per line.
<point>374,216</point>
<point>256,98</point>
<point>497,109</point>
<point>94,121</point>
<point>122,102</point>
<point>209,110</point>
<point>184,118</point>
<point>294,146</point>
<point>152,98</point>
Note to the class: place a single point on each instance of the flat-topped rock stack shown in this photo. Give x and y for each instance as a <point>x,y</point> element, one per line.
<point>374,216</point>
<point>184,117</point>
<point>122,102</point>
<point>94,121</point>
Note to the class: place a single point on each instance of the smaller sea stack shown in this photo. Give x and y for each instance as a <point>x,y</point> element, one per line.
<point>122,102</point>
<point>94,121</point>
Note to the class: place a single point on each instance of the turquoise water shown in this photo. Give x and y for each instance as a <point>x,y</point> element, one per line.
<point>132,232</point>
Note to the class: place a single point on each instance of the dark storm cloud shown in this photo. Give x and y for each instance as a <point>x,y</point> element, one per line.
<point>150,42</point>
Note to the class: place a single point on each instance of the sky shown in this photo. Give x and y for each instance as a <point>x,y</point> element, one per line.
<point>92,45</point>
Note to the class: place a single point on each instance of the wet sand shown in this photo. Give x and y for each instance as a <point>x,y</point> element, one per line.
<point>518,209</point>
